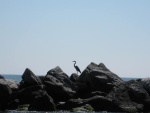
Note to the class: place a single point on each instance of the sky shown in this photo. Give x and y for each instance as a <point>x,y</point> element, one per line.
<point>43,34</point>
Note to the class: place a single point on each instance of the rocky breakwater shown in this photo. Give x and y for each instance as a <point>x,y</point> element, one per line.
<point>96,89</point>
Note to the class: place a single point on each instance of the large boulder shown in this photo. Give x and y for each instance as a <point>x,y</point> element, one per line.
<point>74,77</point>
<point>5,92</point>
<point>146,84</point>
<point>35,96</point>
<point>136,92</point>
<point>25,96</point>
<point>99,78</point>
<point>58,73</point>
<point>99,103</point>
<point>29,79</point>
<point>58,85</point>
<point>41,101</point>
<point>12,84</point>
<point>128,96</point>
<point>1,77</point>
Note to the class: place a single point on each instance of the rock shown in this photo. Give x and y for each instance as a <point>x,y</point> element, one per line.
<point>25,95</point>
<point>58,85</point>
<point>85,108</point>
<point>74,77</point>
<point>146,84</point>
<point>98,76</point>
<point>5,92</point>
<point>146,104</point>
<point>12,84</point>
<point>29,79</point>
<point>82,90</point>
<point>136,92</point>
<point>41,101</point>
<point>99,103</point>
<point>13,105</point>
<point>1,77</point>
<point>41,78</point>
<point>123,95</point>
<point>58,73</point>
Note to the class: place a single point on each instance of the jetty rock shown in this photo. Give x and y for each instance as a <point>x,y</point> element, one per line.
<point>29,79</point>
<point>97,87</point>
<point>58,85</point>
<point>99,78</point>
<point>146,84</point>
<point>74,77</point>
<point>1,77</point>
<point>5,91</point>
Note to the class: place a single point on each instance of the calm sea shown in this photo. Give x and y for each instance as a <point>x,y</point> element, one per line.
<point>18,77</point>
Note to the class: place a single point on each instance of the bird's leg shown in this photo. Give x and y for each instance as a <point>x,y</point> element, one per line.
<point>77,72</point>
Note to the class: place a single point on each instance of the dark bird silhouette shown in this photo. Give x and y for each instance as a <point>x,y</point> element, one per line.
<point>76,67</point>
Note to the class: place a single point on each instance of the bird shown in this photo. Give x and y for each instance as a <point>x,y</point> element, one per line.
<point>76,67</point>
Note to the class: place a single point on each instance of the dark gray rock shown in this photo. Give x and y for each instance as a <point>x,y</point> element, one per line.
<point>1,77</point>
<point>58,73</point>
<point>58,85</point>
<point>25,95</point>
<point>82,91</point>
<point>12,84</point>
<point>146,84</point>
<point>74,77</point>
<point>99,103</point>
<point>29,79</point>
<point>98,76</point>
<point>124,96</point>
<point>41,78</point>
<point>146,104</point>
<point>41,101</point>
<point>13,105</point>
<point>5,92</point>
<point>35,96</point>
<point>136,92</point>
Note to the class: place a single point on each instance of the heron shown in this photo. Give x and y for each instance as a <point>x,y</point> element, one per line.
<point>76,67</point>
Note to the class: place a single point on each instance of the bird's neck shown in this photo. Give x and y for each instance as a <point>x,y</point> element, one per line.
<point>74,64</point>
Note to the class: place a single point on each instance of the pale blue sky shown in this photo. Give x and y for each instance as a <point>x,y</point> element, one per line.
<point>43,34</point>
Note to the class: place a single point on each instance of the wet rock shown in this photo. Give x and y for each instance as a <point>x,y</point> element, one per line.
<point>85,108</point>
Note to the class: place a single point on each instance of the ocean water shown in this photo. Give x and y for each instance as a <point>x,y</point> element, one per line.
<point>18,77</point>
<point>12,77</point>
